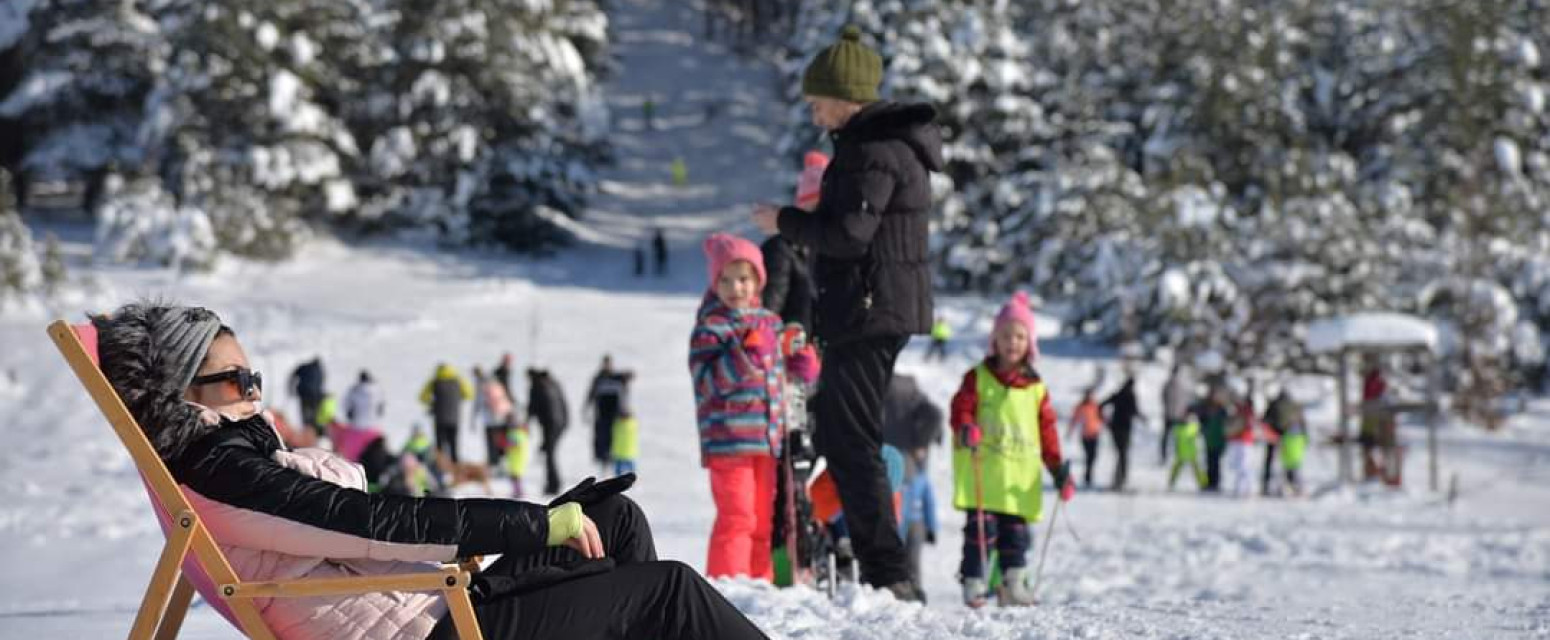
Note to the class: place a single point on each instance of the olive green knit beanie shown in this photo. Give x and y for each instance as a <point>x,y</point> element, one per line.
<point>847,70</point>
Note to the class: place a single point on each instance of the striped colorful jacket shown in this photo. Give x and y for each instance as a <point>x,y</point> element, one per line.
<point>737,397</point>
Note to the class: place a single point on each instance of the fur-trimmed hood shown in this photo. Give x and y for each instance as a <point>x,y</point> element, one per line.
<point>140,369</point>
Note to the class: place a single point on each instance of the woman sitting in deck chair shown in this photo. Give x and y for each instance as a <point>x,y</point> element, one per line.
<point>584,567</point>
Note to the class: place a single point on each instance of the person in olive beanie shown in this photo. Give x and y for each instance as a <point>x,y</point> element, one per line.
<point>870,235</point>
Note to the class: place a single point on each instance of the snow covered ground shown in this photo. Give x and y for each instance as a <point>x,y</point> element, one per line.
<point>78,540</point>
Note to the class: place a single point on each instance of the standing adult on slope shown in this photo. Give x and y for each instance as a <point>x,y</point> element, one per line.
<point>1123,412</point>
<point>546,404</point>
<point>870,233</point>
<point>607,398</point>
<point>307,384</point>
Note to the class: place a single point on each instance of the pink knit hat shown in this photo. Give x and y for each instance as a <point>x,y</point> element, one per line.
<point>722,249</point>
<point>1016,310</point>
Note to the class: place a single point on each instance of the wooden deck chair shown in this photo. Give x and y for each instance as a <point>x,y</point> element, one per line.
<point>192,561</point>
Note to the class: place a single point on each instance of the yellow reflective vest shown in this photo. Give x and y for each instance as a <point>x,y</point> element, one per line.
<point>1009,454</point>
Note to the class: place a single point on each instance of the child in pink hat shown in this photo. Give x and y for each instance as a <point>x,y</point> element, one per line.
<point>1005,431</point>
<point>738,358</point>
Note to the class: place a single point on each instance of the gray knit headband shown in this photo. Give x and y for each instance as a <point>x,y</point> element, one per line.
<point>184,334</point>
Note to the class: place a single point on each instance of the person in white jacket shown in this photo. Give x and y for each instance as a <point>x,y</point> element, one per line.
<point>363,405</point>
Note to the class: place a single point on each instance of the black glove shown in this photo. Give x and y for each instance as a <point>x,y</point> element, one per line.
<point>931,537</point>
<point>590,491</point>
<point>1063,482</point>
<point>1062,474</point>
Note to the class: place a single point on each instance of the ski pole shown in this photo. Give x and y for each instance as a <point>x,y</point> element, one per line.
<point>1072,528</point>
<point>979,508</point>
<point>1038,573</point>
<point>791,513</point>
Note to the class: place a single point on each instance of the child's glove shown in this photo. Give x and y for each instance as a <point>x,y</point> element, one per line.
<point>970,435</point>
<point>792,340</point>
<point>759,344</point>
<point>804,365</point>
<point>1063,481</point>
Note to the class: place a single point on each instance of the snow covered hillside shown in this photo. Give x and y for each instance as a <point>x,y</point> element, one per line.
<point>78,539</point>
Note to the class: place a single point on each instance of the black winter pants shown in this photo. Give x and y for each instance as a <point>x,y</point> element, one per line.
<point>1214,466</point>
<point>1121,433</point>
<point>603,435</point>
<point>1270,463</point>
<point>446,439</point>
<point>495,445</point>
<point>848,433</point>
<point>641,597</point>
<point>309,412</point>
<point>1090,448</point>
<point>550,448</point>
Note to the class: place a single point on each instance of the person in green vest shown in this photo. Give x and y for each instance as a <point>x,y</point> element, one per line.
<point>423,475</point>
<point>1294,445</point>
<point>515,457</point>
<point>1186,450</point>
<point>626,443</point>
<point>680,171</point>
<point>941,332</point>
<point>328,409</point>
<point>1004,427</point>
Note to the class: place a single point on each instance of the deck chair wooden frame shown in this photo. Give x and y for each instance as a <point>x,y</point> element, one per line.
<point>169,593</point>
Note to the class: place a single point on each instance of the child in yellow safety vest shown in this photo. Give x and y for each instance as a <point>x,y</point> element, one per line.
<point>1294,445</point>
<point>518,451</point>
<point>626,443</point>
<point>1186,449</point>
<point>941,332</point>
<point>1004,427</point>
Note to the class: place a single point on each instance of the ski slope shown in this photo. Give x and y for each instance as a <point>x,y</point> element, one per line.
<point>1359,562</point>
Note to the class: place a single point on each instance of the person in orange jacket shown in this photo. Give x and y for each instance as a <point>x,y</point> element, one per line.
<point>1087,420</point>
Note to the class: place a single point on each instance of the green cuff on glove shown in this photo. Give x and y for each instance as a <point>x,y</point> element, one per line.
<point>564,523</point>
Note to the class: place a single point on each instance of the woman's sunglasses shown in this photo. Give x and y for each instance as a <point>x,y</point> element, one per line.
<point>248,381</point>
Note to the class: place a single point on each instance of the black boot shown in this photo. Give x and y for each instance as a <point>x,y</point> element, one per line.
<point>907,591</point>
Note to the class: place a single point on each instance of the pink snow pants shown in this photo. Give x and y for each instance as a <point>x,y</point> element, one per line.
<point>744,490</point>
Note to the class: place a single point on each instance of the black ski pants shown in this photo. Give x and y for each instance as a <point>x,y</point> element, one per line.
<point>1121,433</point>
<point>1214,453</point>
<point>848,433</point>
<point>603,435</point>
<point>1090,448</point>
<point>641,597</point>
<point>550,447</point>
<point>1270,463</point>
<point>446,439</point>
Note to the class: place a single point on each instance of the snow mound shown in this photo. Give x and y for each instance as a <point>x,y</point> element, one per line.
<point>862,613</point>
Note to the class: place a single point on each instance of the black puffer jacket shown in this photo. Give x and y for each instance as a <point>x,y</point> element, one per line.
<point>789,292</point>
<point>234,464</point>
<point>871,230</point>
<point>546,404</point>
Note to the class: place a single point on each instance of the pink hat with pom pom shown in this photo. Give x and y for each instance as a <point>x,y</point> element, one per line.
<point>722,249</point>
<point>1016,310</point>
